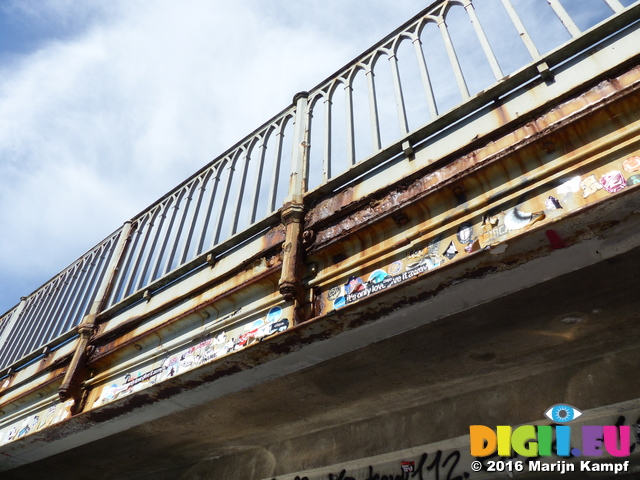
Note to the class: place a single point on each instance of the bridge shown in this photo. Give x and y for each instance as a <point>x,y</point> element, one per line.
<point>443,233</point>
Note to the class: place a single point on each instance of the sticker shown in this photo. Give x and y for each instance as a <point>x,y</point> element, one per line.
<point>613,182</point>
<point>422,261</point>
<point>408,467</point>
<point>451,251</point>
<point>472,247</point>
<point>334,293</point>
<point>354,285</point>
<point>570,186</point>
<point>279,326</point>
<point>631,164</point>
<point>11,434</point>
<point>396,267</point>
<point>377,276</point>
<point>465,233</point>
<point>552,203</point>
<point>589,185</point>
<point>339,302</point>
<point>434,246</point>
<point>514,219</point>
<point>274,314</point>
<point>633,180</point>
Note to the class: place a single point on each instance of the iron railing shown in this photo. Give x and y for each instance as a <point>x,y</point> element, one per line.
<point>436,63</point>
<point>58,306</point>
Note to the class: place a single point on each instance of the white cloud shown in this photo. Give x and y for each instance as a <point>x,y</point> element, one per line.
<point>124,100</point>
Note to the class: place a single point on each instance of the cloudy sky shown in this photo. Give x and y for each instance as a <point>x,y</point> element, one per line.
<point>106,105</point>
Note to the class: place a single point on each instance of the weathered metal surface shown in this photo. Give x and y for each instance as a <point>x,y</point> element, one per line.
<point>544,172</point>
<point>463,360</point>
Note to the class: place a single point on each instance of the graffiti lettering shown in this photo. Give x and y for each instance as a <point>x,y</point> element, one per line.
<point>441,467</point>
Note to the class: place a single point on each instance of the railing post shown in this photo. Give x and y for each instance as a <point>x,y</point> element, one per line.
<point>71,384</point>
<point>293,211</point>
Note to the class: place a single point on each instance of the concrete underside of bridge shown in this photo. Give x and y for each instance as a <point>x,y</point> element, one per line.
<point>498,347</point>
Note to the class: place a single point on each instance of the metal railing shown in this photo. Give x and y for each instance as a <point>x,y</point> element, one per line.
<point>434,64</point>
<point>58,306</point>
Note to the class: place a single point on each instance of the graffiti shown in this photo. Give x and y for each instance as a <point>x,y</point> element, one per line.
<point>436,467</point>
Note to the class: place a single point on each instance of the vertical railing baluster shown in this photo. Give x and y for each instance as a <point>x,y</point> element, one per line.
<point>273,193</point>
<point>158,212</point>
<point>453,59</point>
<point>615,5</point>
<point>258,185</point>
<point>148,227</point>
<point>133,255</point>
<point>101,298</point>
<point>48,308</point>
<point>40,313</point>
<point>484,42</point>
<point>173,205</point>
<point>426,81</point>
<point>183,219</point>
<point>214,191</point>
<point>351,135</point>
<point>194,221</point>
<point>328,135</point>
<point>373,110</point>
<point>564,17</point>
<point>240,194</point>
<point>307,163</point>
<point>524,35</point>
<point>217,229</point>
<point>80,290</point>
<point>16,344</point>
<point>397,90</point>
<point>169,234</point>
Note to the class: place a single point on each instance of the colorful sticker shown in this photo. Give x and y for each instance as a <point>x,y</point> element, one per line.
<point>396,267</point>
<point>589,185</point>
<point>274,314</point>
<point>339,302</point>
<point>208,349</point>
<point>377,276</point>
<point>633,180</point>
<point>631,164</point>
<point>613,182</point>
<point>354,285</point>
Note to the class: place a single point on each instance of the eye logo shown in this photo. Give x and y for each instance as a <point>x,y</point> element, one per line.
<point>562,413</point>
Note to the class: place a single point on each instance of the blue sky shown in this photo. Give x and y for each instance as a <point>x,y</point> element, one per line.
<point>106,105</point>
